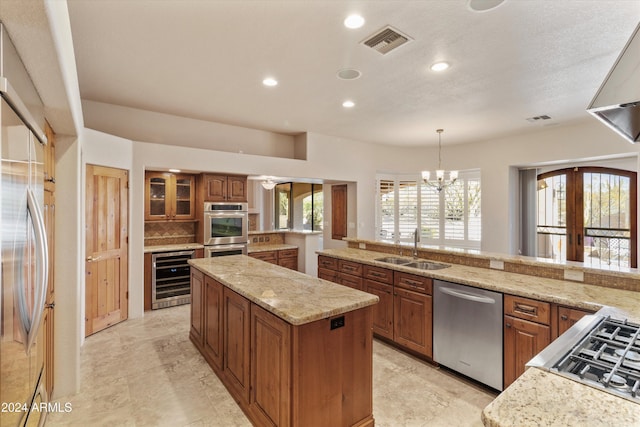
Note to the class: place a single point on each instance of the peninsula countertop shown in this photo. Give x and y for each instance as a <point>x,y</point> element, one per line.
<point>293,296</point>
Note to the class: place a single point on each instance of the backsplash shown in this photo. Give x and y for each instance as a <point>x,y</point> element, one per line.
<point>267,238</point>
<point>169,233</point>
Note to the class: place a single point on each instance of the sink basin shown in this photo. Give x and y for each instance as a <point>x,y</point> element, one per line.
<point>394,260</point>
<point>427,265</point>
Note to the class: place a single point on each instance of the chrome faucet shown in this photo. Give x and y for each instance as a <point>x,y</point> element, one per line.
<point>416,238</point>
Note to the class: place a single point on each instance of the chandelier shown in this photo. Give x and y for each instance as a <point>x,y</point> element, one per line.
<point>440,182</point>
<point>268,184</point>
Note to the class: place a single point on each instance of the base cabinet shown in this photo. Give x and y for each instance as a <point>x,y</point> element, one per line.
<point>523,339</point>
<point>197,302</point>
<point>213,344</point>
<point>412,321</point>
<point>236,343</point>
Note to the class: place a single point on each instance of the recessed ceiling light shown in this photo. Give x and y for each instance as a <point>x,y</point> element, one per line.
<point>440,66</point>
<point>354,21</point>
<point>270,81</point>
<point>483,5</point>
<point>349,74</point>
<point>174,170</point>
<point>348,104</point>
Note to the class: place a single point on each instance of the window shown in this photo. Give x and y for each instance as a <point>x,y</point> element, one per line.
<point>299,206</point>
<point>587,214</point>
<point>450,217</point>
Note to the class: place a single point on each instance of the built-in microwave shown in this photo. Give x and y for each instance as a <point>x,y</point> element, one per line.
<point>225,223</point>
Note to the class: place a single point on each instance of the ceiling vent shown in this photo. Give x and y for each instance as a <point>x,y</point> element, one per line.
<point>538,119</point>
<point>385,40</point>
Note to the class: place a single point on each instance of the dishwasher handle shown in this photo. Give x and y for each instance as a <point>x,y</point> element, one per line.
<point>468,296</point>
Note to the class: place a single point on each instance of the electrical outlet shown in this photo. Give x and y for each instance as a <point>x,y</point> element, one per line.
<point>266,238</point>
<point>574,275</point>
<point>255,240</point>
<point>496,264</point>
<point>261,239</point>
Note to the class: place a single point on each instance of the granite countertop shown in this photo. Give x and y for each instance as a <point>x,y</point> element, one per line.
<point>538,397</point>
<point>267,248</point>
<point>564,292</point>
<point>293,296</point>
<point>173,247</point>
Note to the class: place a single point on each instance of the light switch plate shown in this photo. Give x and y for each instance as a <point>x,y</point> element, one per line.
<point>575,275</point>
<point>496,264</point>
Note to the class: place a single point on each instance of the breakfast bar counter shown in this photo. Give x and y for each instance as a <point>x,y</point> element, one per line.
<point>290,348</point>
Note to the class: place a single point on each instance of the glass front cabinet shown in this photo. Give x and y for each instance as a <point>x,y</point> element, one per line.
<point>169,196</point>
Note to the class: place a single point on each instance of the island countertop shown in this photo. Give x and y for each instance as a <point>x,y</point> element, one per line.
<point>293,296</point>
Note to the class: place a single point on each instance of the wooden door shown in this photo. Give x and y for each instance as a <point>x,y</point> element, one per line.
<point>412,321</point>
<point>338,211</point>
<point>237,189</point>
<point>215,188</point>
<point>106,283</point>
<point>522,341</point>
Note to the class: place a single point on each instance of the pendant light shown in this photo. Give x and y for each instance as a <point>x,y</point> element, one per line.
<point>440,182</point>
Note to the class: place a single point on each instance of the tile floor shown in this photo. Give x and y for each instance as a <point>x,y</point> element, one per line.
<point>146,372</point>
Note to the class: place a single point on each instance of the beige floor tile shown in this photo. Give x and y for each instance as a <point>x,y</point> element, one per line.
<point>146,372</point>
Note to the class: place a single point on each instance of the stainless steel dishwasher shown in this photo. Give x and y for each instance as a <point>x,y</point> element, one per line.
<point>467,331</point>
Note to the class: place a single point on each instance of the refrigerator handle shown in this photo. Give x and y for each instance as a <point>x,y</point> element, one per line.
<point>42,267</point>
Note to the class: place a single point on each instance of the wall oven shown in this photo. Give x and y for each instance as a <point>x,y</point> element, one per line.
<point>225,223</point>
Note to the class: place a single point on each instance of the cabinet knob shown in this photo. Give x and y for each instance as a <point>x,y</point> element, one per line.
<point>507,325</point>
<point>564,317</point>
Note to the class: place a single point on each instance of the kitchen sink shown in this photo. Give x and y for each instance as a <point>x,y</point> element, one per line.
<point>426,265</point>
<point>394,260</point>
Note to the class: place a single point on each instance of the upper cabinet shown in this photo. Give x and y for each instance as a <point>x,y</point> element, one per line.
<point>169,196</point>
<point>225,188</point>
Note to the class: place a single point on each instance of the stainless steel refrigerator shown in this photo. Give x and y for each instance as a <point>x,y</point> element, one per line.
<point>23,256</point>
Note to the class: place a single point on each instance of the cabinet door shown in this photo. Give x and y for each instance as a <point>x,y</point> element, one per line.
<point>266,256</point>
<point>183,205</point>
<point>197,320</point>
<point>215,188</point>
<point>383,311</point>
<point>338,211</point>
<point>522,341</point>
<point>157,196</point>
<point>237,188</point>
<point>213,321</point>
<point>330,275</point>
<point>291,263</point>
<point>567,317</point>
<point>236,344</point>
<point>412,321</point>
<point>270,368</point>
<point>354,282</point>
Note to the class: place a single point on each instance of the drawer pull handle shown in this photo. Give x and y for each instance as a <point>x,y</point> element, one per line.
<point>526,309</point>
<point>564,317</point>
<point>414,283</point>
<point>376,274</point>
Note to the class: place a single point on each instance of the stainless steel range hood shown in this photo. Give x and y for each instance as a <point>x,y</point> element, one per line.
<point>617,102</point>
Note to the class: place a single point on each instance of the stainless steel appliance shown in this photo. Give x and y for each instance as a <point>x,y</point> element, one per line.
<point>226,228</point>
<point>170,278</point>
<point>467,331</point>
<point>598,351</point>
<point>23,244</point>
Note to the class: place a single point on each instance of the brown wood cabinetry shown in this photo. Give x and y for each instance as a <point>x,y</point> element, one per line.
<point>526,332</point>
<point>285,257</point>
<point>224,188</point>
<point>197,307</point>
<point>350,274</point>
<point>169,196</point>
<point>383,311</point>
<point>567,317</point>
<point>315,374</point>
<point>213,344</point>
<point>338,211</point>
<point>236,343</point>
<point>413,320</point>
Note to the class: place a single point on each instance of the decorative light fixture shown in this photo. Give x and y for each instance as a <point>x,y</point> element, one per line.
<point>268,184</point>
<point>440,182</point>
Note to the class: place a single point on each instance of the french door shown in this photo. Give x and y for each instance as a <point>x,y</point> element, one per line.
<point>588,215</point>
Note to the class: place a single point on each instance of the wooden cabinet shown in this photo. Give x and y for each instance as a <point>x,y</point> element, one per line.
<point>383,311</point>
<point>236,355</point>
<point>169,196</point>
<point>338,211</point>
<point>224,188</point>
<point>413,320</point>
<point>526,332</point>
<point>213,333</point>
<point>197,307</point>
<point>285,258</point>
<point>270,368</point>
<point>567,317</point>
<point>350,274</point>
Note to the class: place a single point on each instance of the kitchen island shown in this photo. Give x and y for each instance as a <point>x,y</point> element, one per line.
<point>292,350</point>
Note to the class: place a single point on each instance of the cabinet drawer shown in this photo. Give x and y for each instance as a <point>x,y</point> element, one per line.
<point>326,274</point>
<point>291,262</point>
<point>378,274</point>
<point>269,256</point>
<point>326,262</point>
<point>349,267</point>
<point>527,309</point>
<point>288,253</point>
<point>413,282</point>
<point>354,282</point>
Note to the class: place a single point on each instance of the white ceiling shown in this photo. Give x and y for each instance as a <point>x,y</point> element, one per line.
<point>206,60</point>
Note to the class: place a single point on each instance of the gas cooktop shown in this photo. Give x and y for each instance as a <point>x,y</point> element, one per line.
<point>600,352</point>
